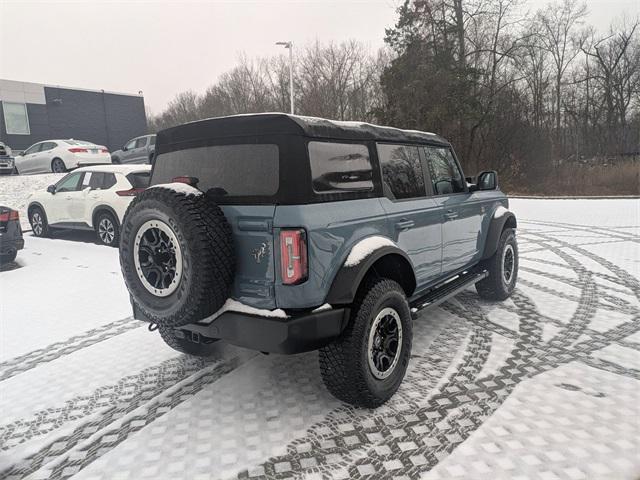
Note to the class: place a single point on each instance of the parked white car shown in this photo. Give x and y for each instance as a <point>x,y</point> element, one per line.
<point>60,155</point>
<point>89,198</point>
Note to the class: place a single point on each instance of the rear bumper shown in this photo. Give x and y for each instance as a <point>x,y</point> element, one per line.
<point>10,243</point>
<point>295,334</point>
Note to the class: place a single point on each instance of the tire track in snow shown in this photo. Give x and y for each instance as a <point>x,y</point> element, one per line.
<point>23,363</point>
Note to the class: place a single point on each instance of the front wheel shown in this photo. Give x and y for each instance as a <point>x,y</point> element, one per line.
<point>38,221</point>
<point>107,230</point>
<point>366,364</point>
<point>502,268</point>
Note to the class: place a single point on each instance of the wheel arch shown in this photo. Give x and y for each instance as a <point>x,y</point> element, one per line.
<point>497,226</point>
<point>388,262</point>
<point>34,205</point>
<point>103,209</point>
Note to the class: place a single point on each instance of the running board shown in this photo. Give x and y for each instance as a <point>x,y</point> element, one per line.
<point>446,290</point>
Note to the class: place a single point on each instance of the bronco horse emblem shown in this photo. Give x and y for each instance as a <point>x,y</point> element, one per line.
<point>259,253</point>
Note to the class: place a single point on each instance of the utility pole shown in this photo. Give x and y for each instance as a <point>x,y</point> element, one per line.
<point>289,45</point>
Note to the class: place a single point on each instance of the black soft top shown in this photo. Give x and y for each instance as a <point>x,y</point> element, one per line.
<point>285,124</point>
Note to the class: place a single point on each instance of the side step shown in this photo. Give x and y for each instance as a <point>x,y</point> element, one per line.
<point>446,290</point>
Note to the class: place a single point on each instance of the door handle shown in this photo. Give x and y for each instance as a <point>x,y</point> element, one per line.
<point>451,215</point>
<point>405,224</point>
<point>68,197</point>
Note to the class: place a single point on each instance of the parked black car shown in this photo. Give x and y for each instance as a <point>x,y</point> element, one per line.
<point>10,235</point>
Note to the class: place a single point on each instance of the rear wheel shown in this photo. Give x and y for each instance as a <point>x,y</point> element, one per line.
<point>366,364</point>
<point>58,166</point>
<point>115,160</point>
<point>38,221</point>
<point>502,268</point>
<point>8,257</point>
<point>107,229</point>
<point>171,337</point>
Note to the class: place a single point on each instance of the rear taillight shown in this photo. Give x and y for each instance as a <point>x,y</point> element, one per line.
<point>78,150</point>
<point>10,215</point>
<point>130,193</point>
<point>293,258</point>
<point>104,150</point>
<point>193,181</point>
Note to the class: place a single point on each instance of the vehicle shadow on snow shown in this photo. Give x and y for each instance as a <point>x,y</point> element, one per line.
<point>7,267</point>
<point>84,236</point>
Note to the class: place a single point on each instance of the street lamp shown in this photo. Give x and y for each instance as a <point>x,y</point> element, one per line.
<point>289,45</point>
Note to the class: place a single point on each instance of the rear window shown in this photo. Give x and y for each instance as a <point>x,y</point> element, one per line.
<point>340,167</point>
<point>139,179</point>
<point>245,170</point>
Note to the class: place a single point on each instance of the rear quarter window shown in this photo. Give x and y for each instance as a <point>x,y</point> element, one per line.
<point>242,170</point>
<point>340,167</point>
<point>139,179</point>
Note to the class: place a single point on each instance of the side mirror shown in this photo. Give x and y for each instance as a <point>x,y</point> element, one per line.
<point>487,180</point>
<point>124,148</point>
<point>51,189</point>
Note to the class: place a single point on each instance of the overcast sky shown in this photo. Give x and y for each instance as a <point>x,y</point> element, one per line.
<point>165,47</point>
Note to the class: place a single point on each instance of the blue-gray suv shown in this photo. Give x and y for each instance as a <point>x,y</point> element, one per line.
<point>287,234</point>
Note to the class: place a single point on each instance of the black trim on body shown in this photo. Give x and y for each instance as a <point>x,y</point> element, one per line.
<point>346,282</point>
<point>495,230</point>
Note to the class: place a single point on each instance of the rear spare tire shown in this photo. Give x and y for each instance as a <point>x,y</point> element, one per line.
<point>176,255</point>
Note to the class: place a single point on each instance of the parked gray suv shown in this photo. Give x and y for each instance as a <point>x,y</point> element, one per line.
<point>287,234</point>
<point>136,150</point>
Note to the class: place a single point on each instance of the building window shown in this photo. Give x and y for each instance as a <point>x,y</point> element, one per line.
<point>16,120</point>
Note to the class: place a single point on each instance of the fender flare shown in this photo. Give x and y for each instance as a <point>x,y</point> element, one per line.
<point>36,204</point>
<point>495,230</point>
<point>101,208</point>
<point>347,281</point>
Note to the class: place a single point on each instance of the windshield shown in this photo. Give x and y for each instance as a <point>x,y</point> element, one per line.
<point>245,170</point>
<point>79,142</point>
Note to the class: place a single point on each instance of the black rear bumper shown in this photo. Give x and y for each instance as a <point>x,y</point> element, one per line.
<point>295,334</point>
<point>11,238</point>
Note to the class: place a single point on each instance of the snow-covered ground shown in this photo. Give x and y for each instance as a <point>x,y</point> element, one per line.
<point>545,385</point>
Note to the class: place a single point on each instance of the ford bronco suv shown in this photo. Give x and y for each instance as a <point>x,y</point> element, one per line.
<point>287,234</point>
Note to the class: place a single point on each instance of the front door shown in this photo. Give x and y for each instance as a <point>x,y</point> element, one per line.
<point>414,217</point>
<point>461,215</point>
<point>58,208</point>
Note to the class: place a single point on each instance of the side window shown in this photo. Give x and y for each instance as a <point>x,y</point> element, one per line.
<point>47,146</point>
<point>152,139</point>
<point>131,144</point>
<point>445,174</point>
<point>70,183</point>
<point>108,181</point>
<point>340,167</point>
<point>97,181</point>
<point>141,142</point>
<point>32,149</point>
<point>402,175</point>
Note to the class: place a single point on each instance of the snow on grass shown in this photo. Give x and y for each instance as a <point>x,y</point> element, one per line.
<point>597,212</point>
<point>179,187</point>
<point>15,191</point>
<point>364,248</point>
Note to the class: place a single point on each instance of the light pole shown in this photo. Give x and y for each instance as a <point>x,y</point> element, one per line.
<point>289,45</point>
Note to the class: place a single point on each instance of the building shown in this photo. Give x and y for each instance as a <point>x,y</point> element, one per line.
<point>32,112</point>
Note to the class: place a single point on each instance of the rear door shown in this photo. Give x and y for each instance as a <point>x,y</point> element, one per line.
<point>461,216</point>
<point>129,154</point>
<point>414,217</point>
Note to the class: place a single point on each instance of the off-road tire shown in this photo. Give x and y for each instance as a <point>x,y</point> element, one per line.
<point>45,232</point>
<point>116,229</point>
<point>495,287</point>
<point>186,346</point>
<point>343,363</point>
<point>208,260</point>
<point>8,257</point>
